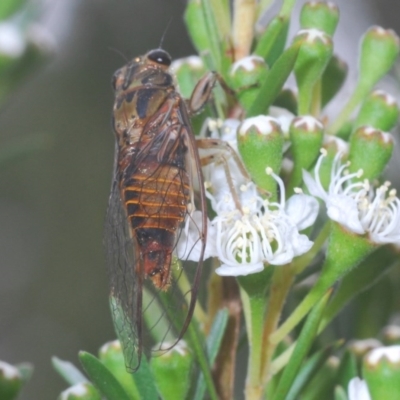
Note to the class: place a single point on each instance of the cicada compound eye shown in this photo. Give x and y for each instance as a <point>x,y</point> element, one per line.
<point>159,56</point>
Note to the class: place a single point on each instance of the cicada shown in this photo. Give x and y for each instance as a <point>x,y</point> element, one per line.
<point>157,166</point>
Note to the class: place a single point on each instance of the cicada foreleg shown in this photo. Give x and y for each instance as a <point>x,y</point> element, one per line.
<point>202,91</point>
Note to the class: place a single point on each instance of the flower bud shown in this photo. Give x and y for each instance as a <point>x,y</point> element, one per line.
<point>80,391</point>
<point>379,50</point>
<point>391,334</point>
<point>379,110</point>
<point>111,355</point>
<point>313,57</point>
<point>188,71</point>
<point>381,370</point>
<point>260,143</point>
<point>319,15</point>
<point>10,381</point>
<point>172,371</point>
<point>361,347</point>
<point>306,135</point>
<point>370,150</point>
<point>245,76</point>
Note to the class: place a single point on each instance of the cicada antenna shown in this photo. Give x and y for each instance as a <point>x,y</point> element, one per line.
<point>165,32</point>
<point>119,52</point>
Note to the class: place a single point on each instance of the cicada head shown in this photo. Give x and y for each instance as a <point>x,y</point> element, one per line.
<point>150,69</point>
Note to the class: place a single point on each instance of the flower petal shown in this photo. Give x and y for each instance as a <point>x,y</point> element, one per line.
<point>358,390</point>
<point>344,210</point>
<point>239,269</point>
<point>302,210</point>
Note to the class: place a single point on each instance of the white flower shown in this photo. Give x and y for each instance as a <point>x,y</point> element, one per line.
<point>248,231</point>
<point>357,205</point>
<point>358,390</point>
<point>258,231</point>
<point>189,244</point>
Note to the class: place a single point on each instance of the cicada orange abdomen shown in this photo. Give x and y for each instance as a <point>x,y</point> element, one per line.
<point>156,167</point>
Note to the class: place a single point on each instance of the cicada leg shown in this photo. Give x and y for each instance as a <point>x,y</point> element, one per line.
<point>203,90</point>
<point>223,152</point>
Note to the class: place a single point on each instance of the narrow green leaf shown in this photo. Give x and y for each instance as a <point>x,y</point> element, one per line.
<point>223,16</point>
<point>272,85</point>
<point>214,339</point>
<point>144,381</point>
<point>102,378</point>
<point>213,34</point>
<point>303,345</point>
<point>267,39</point>
<point>332,79</point>
<point>213,343</point>
<point>196,345</point>
<point>68,371</point>
<point>310,367</point>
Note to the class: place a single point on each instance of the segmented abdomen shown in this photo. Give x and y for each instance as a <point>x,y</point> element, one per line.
<point>156,196</point>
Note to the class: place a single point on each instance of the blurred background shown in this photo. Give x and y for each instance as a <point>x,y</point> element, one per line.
<point>57,150</point>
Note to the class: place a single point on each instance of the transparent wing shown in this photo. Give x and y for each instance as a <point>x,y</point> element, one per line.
<point>125,282</point>
<point>175,307</point>
<point>146,318</point>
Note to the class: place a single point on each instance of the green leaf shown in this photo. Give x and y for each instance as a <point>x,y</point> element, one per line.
<point>272,85</point>
<point>310,367</point>
<point>348,368</point>
<point>303,345</point>
<point>214,340</point>
<point>102,378</point>
<point>195,341</point>
<point>332,79</point>
<point>68,371</point>
<point>144,381</point>
<point>275,32</point>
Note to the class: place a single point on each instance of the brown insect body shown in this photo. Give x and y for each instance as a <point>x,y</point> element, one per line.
<point>154,183</point>
<point>156,169</point>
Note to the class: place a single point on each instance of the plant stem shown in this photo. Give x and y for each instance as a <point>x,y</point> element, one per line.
<point>254,308</point>
<point>243,27</point>
<point>281,282</point>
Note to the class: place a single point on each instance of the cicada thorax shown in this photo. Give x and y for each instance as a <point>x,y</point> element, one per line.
<point>154,183</point>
